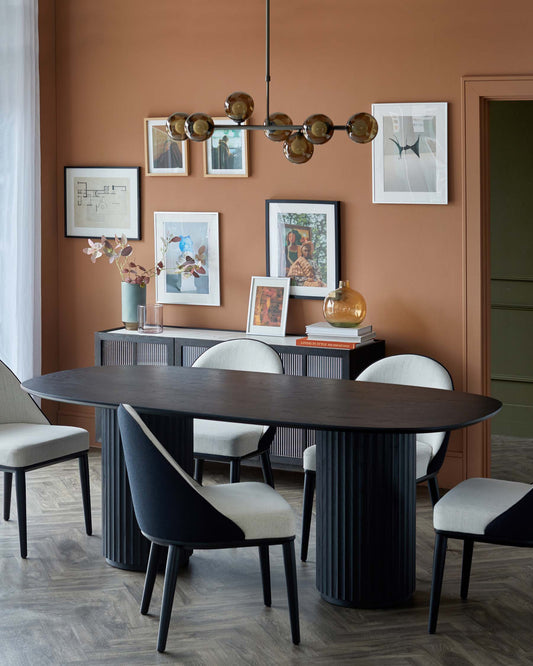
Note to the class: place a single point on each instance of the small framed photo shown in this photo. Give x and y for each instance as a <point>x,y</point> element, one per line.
<point>102,201</point>
<point>163,155</point>
<point>302,239</point>
<point>268,306</point>
<point>187,243</point>
<point>226,152</point>
<point>410,153</point>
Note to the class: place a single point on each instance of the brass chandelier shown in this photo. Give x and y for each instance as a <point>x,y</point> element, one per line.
<point>298,140</point>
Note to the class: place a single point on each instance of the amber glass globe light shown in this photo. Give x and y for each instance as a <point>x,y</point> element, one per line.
<point>298,149</point>
<point>278,119</point>
<point>176,126</point>
<point>318,128</point>
<point>199,126</point>
<point>362,127</point>
<point>344,307</point>
<point>239,106</point>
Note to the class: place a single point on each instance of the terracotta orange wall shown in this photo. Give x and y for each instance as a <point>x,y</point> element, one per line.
<point>119,61</point>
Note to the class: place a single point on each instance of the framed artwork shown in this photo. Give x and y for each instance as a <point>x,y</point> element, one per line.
<point>187,243</point>
<point>268,306</point>
<point>102,201</point>
<point>302,240</point>
<point>164,156</point>
<point>410,153</point>
<point>226,152</point>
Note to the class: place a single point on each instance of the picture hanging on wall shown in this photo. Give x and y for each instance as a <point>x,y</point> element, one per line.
<point>302,240</point>
<point>410,153</point>
<point>102,201</point>
<point>164,156</point>
<point>226,151</point>
<point>268,306</point>
<point>189,244</point>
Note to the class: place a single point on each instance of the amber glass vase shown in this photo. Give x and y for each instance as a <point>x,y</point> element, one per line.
<point>344,307</point>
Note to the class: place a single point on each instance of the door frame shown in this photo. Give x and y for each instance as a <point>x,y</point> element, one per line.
<point>477,92</point>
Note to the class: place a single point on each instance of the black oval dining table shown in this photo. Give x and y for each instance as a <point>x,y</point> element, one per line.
<point>366,448</point>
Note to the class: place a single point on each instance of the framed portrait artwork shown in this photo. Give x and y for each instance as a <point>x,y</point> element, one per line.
<point>164,156</point>
<point>187,243</point>
<point>302,239</point>
<point>226,151</point>
<point>410,153</point>
<point>102,201</point>
<point>268,306</point>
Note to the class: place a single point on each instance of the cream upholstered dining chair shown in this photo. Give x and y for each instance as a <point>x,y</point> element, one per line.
<point>409,370</point>
<point>232,442</point>
<point>28,441</point>
<point>483,510</point>
<point>175,511</point>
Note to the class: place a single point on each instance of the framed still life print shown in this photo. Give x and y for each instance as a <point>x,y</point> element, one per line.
<point>410,153</point>
<point>164,156</point>
<point>302,239</point>
<point>187,243</point>
<point>102,201</point>
<point>226,151</point>
<point>268,306</point>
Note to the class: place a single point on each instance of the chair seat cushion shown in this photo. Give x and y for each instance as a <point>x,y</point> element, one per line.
<point>25,444</point>
<point>489,507</point>
<point>256,508</point>
<point>226,439</point>
<point>309,460</point>
<point>424,453</point>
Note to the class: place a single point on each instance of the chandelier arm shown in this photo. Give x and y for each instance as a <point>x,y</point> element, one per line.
<point>270,126</point>
<point>267,71</point>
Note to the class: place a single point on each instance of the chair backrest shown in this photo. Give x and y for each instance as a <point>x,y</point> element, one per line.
<point>411,370</point>
<point>16,406</point>
<point>168,503</point>
<point>243,354</point>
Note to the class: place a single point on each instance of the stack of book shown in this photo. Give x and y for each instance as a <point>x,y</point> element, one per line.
<point>323,334</point>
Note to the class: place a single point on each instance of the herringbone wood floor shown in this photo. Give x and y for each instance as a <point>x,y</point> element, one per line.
<point>64,605</point>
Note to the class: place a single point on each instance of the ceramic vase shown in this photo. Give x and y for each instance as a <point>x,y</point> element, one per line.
<point>133,295</point>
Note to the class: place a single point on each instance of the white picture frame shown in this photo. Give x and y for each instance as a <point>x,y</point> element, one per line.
<point>410,153</point>
<point>268,306</point>
<point>163,156</point>
<point>226,151</point>
<point>102,201</point>
<point>198,234</point>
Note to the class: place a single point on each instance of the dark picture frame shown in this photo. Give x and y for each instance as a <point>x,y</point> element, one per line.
<point>302,243</point>
<point>102,201</point>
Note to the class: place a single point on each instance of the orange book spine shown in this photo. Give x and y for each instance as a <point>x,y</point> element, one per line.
<point>333,344</point>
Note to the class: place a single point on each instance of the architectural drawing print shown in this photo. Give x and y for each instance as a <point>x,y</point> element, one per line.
<point>102,202</point>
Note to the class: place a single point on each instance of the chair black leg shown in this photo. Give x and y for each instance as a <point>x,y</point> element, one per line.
<point>235,470</point>
<point>267,468</point>
<point>86,492</point>
<point>309,492</point>
<point>289,561</point>
<point>439,559</point>
<point>198,470</point>
<point>468,549</point>
<point>20,489</point>
<point>433,487</point>
<point>8,482</point>
<point>264,559</point>
<point>151,573</point>
<point>171,574</point>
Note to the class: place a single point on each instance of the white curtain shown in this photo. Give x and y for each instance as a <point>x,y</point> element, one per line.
<point>20,189</point>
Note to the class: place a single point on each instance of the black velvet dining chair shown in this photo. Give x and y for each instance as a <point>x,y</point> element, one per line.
<point>483,510</point>
<point>406,369</point>
<point>29,441</point>
<point>232,442</point>
<point>175,511</point>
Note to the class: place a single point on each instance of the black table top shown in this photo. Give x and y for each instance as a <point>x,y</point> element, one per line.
<point>252,397</point>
